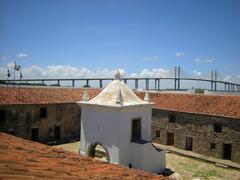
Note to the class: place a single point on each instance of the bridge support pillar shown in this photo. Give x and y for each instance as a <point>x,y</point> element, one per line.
<point>147,84</point>
<point>87,82</point>
<point>175,84</point>
<point>136,83</point>
<point>155,87</point>
<point>179,84</point>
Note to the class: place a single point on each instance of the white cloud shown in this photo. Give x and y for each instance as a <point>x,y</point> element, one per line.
<point>197,60</point>
<point>197,73</point>
<point>10,65</point>
<point>227,78</point>
<point>22,55</point>
<point>207,60</point>
<point>238,76</point>
<point>3,58</point>
<point>60,71</point>
<point>155,72</point>
<point>151,58</point>
<point>133,75</point>
<point>179,54</point>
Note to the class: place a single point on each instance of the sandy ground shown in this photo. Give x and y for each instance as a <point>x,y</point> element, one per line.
<point>190,168</point>
<point>187,168</point>
<point>72,147</point>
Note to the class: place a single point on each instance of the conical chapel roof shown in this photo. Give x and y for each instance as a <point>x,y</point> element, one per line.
<point>117,93</point>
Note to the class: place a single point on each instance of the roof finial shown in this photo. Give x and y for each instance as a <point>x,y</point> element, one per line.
<point>147,97</point>
<point>118,75</point>
<point>85,96</point>
<point>119,99</point>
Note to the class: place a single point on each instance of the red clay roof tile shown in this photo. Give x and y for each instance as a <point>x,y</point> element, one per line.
<point>216,105</point>
<point>219,105</point>
<point>23,159</point>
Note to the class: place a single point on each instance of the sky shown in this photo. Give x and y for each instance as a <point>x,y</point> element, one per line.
<point>93,38</point>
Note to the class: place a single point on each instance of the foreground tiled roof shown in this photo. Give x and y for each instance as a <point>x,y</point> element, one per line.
<point>23,159</point>
<point>219,105</point>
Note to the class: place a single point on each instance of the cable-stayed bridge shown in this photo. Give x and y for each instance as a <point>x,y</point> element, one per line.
<point>176,82</point>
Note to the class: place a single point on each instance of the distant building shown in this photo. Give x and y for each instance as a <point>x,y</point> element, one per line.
<point>41,114</point>
<point>120,122</point>
<point>50,123</point>
<point>205,124</point>
<point>204,134</point>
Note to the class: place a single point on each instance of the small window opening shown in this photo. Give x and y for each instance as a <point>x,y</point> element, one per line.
<point>136,129</point>
<point>2,115</point>
<point>212,146</point>
<point>157,135</point>
<point>43,112</point>
<point>217,127</point>
<point>172,118</point>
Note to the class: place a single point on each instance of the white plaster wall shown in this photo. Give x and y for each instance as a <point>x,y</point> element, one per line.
<point>101,125</point>
<point>136,155</point>
<point>83,128</point>
<point>126,116</point>
<point>153,160</point>
<point>111,127</point>
<point>146,157</point>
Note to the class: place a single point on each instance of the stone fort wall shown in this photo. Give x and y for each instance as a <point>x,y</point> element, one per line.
<point>201,129</point>
<point>19,120</point>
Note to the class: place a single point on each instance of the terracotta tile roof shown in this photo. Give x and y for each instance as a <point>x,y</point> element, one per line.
<point>23,159</point>
<point>42,95</point>
<point>219,105</point>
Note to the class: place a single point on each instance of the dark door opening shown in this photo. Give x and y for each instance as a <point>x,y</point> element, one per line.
<point>136,129</point>
<point>227,151</point>
<point>35,134</point>
<point>189,143</point>
<point>57,132</point>
<point>170,139</point>
<point>10,132</point>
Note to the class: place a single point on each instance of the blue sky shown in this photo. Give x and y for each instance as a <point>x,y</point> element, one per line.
<point>133,35</point>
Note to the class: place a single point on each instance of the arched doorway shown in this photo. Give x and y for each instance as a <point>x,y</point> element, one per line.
<point>98,151</point>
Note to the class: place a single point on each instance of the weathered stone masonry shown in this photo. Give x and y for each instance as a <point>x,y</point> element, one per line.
<point>207,124</point>
<point>201,129</point>
<point>20,120</point>
<point>46,118</point>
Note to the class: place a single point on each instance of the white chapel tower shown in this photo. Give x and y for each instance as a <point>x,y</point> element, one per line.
<point>121,122</point>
